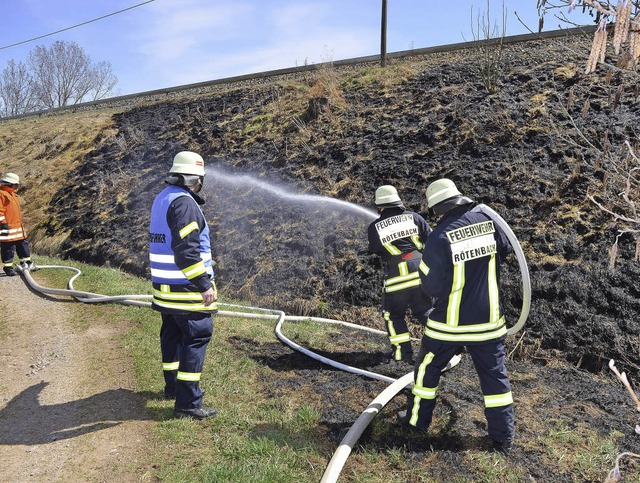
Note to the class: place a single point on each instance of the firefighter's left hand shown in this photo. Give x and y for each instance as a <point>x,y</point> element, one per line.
<point>209,297</point>
<point>4,226</point>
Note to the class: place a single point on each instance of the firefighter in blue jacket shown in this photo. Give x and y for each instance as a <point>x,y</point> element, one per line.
<point>398,237</point>
<point>184,289</point>
<point>461,270</point>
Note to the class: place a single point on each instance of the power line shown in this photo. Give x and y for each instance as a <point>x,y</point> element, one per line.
<point>77,25</point>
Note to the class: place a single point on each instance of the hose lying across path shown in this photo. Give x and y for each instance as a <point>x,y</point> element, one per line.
<point>339,458</point>
<point>145,301</point>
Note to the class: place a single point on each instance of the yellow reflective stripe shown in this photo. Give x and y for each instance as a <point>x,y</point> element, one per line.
<point>492,287</point>
<point>419,379</point>
<point>401,278</point>
<point>466,328</point>
<point>425,392</point>
<point>455,297</point>
<point>177,295</point>
<point>423,267</point>
<point>170,366</point>
<point>465,337</point>
<point>9,264</point>
<point>416,241</point>
<point>189,376</point>
<point>400,338</point>
<point>403,269</point>
<point>186,306</point>
<point>402,286</point>
<point>194,270</point>
<point>387,318</point>
<point>498,400</point>
<point>392,249</point>
<point>165,288</point>
<point>188,229</point>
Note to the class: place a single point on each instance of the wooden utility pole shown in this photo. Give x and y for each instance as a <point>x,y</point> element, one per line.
<point>383,35</point>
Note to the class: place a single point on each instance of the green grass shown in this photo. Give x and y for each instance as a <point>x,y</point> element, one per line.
<point>264,434</point>
<point>255,437</point>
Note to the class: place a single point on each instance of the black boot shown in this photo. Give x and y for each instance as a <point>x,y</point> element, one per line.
<point>10,271</point>
<point>199,413</point>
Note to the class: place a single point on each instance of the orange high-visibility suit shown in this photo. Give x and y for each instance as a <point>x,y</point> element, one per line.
<point>11,216</point>
<point>13,236</point>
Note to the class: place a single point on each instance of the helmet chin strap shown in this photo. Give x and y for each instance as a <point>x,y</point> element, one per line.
<point>197,187</point>
<point>447,205</point>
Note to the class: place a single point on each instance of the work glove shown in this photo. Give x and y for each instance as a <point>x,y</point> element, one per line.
<point>4,226</point>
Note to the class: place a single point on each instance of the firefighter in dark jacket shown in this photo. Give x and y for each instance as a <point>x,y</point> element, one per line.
<point>184,289</point>
<point>398,237</point>
<point>460,269</point>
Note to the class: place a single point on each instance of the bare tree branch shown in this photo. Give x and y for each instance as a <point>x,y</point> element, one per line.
<point>64,75</point>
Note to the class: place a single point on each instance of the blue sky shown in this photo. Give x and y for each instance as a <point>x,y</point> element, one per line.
<point>169,43</point>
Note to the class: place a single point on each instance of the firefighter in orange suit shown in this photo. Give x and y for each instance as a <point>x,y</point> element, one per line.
<point>13,236</point>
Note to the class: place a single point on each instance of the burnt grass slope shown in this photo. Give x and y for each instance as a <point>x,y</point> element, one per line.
<point>534,150</point>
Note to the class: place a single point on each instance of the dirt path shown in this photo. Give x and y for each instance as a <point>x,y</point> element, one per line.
<point>68,411</point>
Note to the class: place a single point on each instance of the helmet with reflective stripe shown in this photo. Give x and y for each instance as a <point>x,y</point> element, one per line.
<point>441,190</point>
<point>187,162</point>
<point>10,178</point>
<point>387,195</point>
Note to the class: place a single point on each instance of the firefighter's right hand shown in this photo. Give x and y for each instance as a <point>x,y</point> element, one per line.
<point>209,297</point>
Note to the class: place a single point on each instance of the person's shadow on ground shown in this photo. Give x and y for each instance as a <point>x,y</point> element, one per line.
<point>25,421</point>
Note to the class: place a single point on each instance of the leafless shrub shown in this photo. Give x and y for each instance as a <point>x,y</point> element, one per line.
<point>130,137</point>
<point>326,84</point>
<point>108,183</point>
<point>489,40</point>
<point>121,141</point>
<point>625,15</point>
<point>619,195</point>
<point>16,90</point>
<point>619,192</point>
<point>137,135</point>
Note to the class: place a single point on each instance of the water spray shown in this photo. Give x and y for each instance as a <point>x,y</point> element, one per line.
<point>245,180</point>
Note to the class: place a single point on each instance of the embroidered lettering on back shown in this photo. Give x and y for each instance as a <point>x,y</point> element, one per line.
<point>466,232</point>
<point>472,248</point>
<point>396,227</point>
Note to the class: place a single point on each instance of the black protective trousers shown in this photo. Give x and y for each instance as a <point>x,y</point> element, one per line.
<point>394,310</point>
<point>9,248</point>
<point>183,343</point>
<point>488,359</point>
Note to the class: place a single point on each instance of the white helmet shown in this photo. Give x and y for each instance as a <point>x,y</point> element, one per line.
<point>10,178</point>
<point>441,190</point>
<point>187,162</point>
<point>387,195</point>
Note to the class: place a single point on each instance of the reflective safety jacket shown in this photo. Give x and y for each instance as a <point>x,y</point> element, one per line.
<point>10,215</point>
<point>398,237</point>
<point>461,270</point>
<point>180,253</point>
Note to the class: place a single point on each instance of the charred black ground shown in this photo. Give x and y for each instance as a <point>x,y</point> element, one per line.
<point>533,151</point>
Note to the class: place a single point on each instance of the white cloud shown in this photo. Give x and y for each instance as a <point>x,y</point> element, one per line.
<point>191,41</point>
